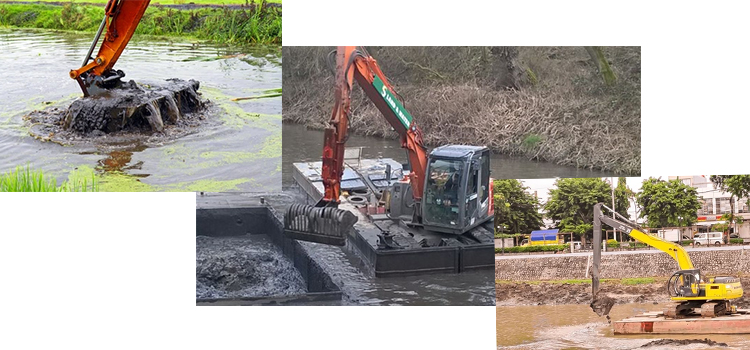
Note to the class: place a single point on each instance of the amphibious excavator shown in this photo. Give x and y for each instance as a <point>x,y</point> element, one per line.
<point>121,18</point>
<point>449,190</point>
<point>687,286</point>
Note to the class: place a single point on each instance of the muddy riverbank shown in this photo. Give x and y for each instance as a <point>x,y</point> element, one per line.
<point>548,293</point>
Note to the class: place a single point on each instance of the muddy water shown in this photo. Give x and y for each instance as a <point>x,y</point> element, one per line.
<point>577,327</point>
<point>360,287</point>
<point>242,152</point>
<point>301,144</point>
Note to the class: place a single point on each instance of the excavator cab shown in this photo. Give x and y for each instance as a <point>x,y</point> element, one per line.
<point>685,283</point>
<point>457,189</point>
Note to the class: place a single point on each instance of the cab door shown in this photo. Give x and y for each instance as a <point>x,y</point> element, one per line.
<point>473,185</point>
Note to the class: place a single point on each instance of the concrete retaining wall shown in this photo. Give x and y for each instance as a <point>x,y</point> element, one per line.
<point>654,264</point>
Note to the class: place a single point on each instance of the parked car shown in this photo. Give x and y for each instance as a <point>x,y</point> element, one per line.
<point>734,235</point>
<point>709,238</point>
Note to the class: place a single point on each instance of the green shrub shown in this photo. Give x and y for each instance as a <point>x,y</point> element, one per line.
<point>637,245</point>
<point>613,243</point>
<point>736,241</point>
<point>533,248</point>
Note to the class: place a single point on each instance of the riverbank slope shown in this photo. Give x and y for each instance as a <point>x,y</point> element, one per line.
<point>543,103</point>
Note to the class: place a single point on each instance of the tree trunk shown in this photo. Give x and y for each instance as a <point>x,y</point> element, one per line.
<point>597,55</point>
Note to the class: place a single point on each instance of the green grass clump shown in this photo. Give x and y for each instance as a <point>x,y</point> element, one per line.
<point>531,140</point>
<point>26,180</point>
<point>636,281</point>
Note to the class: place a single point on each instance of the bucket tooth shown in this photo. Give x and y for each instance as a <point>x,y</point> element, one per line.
<point>325,225</point>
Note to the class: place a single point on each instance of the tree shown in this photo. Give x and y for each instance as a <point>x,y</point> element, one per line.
<point>622,199</point>
<point>597,55</point>
<point>622,202</point>
<point>668,203</point>
<point>738,186</point>
<point>571,204</point>
<point>516,211</point>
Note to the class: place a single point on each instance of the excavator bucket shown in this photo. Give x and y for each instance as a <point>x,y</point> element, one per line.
<point>325,225</point>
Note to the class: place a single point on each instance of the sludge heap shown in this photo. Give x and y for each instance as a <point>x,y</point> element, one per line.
<point>134,107</point>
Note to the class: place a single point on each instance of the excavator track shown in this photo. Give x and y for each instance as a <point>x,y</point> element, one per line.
<point>678,310</point>
<point>714,309</point>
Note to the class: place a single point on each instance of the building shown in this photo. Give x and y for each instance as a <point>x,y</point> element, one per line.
<point>715,203</point>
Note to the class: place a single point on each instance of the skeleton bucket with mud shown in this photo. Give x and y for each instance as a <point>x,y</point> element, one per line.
<point>133,106</point>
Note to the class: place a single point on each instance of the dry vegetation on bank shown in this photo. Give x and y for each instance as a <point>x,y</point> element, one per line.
<point>543,103</point>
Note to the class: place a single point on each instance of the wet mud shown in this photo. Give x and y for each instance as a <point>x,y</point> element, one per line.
<point>678,342</point>
<point>602,304</point>
<point>132,112</point>
<point>545,293</point>
<point>249,266</point>
<point>523,293</point>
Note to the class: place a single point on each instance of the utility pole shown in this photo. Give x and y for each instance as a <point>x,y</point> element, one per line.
<point>614,233</point>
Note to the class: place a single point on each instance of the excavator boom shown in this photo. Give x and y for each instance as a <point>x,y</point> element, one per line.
<point>353,63</point>
<point>121,18</point>
<point>676,251</point>
<point>326,223</point>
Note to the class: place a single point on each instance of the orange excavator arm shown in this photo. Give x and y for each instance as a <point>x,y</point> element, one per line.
<point>354,63</point>
<point>121,18</point>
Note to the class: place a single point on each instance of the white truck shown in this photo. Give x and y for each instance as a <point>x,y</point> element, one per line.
<point>671,234</point>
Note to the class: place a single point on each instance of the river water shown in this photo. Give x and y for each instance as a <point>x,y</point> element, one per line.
<point>241,152</point>
<point>546,327</point>
<point>303,145</point>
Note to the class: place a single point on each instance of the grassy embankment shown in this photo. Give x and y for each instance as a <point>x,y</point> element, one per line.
<point>542,103</point>
<point>175,2</point>
<point>256,24</point>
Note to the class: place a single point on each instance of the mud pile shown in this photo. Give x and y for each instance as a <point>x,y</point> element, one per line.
<point>250,266</point>
<point>545,293</point>
<point>678,342</point>
<point>169,108</point>
<point>542,293</point>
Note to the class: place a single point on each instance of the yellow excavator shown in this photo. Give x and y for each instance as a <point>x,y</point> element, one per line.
<point>690,290</point>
